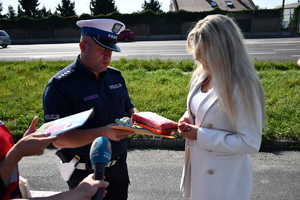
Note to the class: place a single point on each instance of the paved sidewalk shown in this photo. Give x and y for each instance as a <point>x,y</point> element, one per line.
<point>155,174</point>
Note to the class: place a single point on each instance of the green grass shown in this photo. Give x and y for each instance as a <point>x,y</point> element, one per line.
<point>282,90</point>
<point>154,85</point>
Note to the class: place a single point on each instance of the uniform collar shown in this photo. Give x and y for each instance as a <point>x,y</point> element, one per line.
<point>83,69</point>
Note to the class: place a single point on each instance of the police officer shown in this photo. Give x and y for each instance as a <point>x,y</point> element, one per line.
<point>88,83</point>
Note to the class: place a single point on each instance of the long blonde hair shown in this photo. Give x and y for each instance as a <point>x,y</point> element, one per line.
<point>217,45</point>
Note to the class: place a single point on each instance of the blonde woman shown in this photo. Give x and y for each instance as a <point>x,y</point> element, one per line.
<point>225,114</point>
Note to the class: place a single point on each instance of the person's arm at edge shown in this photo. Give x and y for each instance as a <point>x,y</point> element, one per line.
<point>30,144</point>
<point>8,163</point>
<point>85,190</point>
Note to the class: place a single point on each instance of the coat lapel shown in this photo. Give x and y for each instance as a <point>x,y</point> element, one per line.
<point>205,104</point>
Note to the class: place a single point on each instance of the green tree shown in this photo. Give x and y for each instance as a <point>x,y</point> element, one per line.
<point>153,5</point>
<point>20,12</point>
<point>44,13</point>
<point>104,7</point>
<point>30,8</point>
<point>1,9</point>
<point>11,13</point>
<point>66,8</point>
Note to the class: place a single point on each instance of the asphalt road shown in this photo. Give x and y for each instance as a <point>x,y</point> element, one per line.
<point>155,174</point>
<point>274,49</point>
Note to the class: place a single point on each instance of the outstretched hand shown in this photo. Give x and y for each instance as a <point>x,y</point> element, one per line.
<point>33,143</point>
<point>30,144</point>
<point>32,126</point>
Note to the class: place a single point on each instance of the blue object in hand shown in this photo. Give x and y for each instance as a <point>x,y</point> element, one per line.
<point>100,155</point>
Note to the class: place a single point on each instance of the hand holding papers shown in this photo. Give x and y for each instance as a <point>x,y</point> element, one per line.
<point>147,123</point>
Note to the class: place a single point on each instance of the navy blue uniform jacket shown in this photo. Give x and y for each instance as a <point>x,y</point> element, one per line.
<point>75,89</point>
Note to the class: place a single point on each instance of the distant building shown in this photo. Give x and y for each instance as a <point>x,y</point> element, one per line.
<point>290,5</point>
<point>288,13</point>
<point>208,5</point>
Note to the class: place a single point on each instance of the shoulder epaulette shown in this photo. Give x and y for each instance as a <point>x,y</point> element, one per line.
<point>64,73</point>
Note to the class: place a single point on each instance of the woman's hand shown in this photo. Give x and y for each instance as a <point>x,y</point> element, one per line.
<point>184,119</point>
<point>187,130</point>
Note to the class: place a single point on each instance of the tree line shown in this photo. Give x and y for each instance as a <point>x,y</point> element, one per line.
<point>66,8</point>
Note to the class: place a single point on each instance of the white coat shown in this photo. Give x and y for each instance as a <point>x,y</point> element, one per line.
<point>218,164</point>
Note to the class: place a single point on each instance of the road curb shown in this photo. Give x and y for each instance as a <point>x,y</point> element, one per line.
<point>178,144</point>
<point>280,145</point>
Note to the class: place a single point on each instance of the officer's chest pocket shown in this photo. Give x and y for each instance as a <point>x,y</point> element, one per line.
<point>118,99</point>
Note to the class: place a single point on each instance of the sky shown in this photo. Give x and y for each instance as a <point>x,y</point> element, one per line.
<point>124,6</point>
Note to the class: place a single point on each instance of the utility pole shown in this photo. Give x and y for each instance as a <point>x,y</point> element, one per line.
<point>283,3</point>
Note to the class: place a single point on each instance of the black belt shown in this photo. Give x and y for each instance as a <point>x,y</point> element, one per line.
<point>87,166</point>
<point>82,165</point>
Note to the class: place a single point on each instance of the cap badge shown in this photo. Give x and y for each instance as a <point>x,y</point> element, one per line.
<point>116,28</point>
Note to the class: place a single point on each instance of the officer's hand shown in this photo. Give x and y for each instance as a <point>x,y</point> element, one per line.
<point>116,134</point>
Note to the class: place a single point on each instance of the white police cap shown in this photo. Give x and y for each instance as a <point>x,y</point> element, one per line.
<point>103,31</point>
